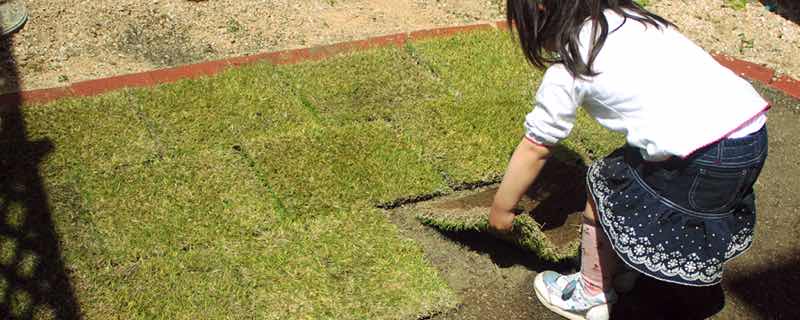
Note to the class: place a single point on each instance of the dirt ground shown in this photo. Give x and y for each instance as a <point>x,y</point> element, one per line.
<point>73,40</point>
<point>754,34</point>
<point>495,279</point>
<point>66,41</point>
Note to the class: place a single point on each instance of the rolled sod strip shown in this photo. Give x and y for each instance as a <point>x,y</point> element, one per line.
<point>548,220</point>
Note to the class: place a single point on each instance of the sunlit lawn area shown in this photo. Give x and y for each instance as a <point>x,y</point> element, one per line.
<point>253,194</point>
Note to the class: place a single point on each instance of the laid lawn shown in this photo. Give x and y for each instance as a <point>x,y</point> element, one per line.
<point>253,193</point>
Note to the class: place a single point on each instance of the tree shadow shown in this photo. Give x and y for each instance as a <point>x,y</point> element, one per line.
<point>34,280</point>
<point>789,9</point>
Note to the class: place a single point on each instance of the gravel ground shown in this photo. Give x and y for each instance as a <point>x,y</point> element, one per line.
<point>754,34</point>
<point>74,40</point>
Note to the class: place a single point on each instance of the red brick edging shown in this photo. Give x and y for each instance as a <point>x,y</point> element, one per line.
<point>151,78</point>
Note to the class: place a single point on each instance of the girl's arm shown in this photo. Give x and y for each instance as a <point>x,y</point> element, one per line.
<point>523,168</point>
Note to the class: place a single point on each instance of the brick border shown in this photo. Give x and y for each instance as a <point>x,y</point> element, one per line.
<point>94,87</point>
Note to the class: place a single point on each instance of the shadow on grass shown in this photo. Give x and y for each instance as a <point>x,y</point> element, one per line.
<point>502,253</point>
<point>789,9</point>
<point>34,282</point>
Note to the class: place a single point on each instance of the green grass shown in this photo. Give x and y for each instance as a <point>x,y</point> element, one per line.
<point>364,87</point>
<point>476,126</point>
<point>252,193</point>
<point>359,269</point>
<point>492,88</point>
<point>737,4</point>
<point>350,166</point>
<point>104,132</point>
<point>223,111</point>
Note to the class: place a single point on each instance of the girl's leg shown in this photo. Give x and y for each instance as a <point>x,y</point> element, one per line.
<point>599,263</point>
<point>587,294</point>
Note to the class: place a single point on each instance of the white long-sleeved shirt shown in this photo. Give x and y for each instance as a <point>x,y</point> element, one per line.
<point>667,95</point>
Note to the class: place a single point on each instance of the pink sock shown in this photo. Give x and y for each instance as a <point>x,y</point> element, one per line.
<point>598,260</point>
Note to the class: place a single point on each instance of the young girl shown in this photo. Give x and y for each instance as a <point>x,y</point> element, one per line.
<point>677,201</point>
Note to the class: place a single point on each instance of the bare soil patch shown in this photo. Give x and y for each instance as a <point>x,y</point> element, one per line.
<point>755,33</point>
<point>553,203</point>
<point>560,230</point>
<point>493,278</point>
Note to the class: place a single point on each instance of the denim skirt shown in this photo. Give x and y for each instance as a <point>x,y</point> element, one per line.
<point>681,219</point>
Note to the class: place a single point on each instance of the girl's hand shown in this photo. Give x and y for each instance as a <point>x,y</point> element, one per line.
<point>501,221</point>
<point>523,168</point>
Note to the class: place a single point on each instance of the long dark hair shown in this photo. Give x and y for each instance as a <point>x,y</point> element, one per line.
<point>549,29</point>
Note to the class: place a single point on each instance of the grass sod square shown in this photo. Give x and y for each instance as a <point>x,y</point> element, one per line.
<point>479,64</point>
<point>173,203</point>
<point>495,88</point>
<point>470,134</point>
<point>356,271</point>
<point>335,168</point>
<point>103,131</point>
<point>342,266</point>
<point>527,233</point>
<point>364,86</point>
<point>222,111</point>
<point>154,215</point>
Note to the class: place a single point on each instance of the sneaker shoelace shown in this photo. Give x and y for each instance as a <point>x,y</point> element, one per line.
<point>576,297</point>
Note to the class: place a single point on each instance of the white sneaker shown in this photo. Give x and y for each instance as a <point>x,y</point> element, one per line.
<point>565,295</point>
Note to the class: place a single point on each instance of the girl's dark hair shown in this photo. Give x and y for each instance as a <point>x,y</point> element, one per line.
<point>549,30</point>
